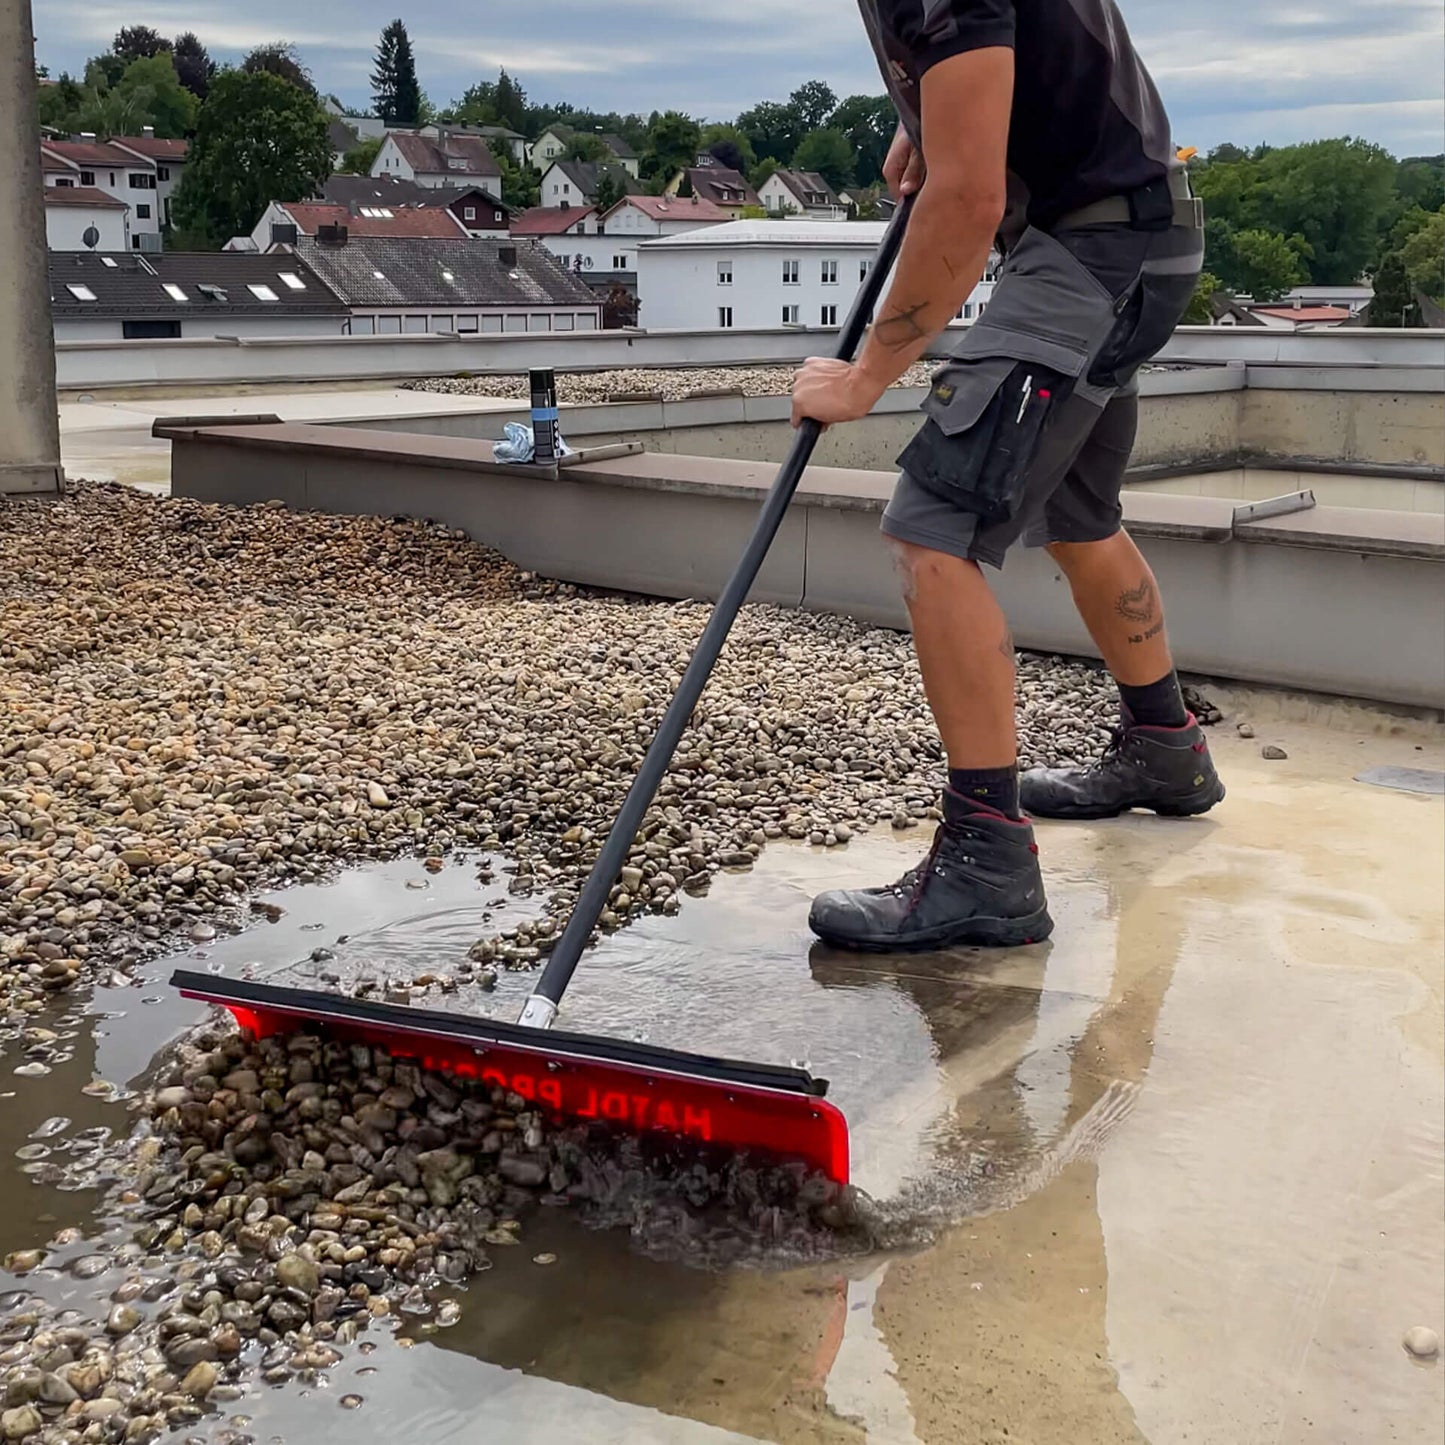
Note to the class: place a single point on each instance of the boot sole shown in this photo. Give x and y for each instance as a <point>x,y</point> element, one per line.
<point>1190,807</point>
<point>975,932</point>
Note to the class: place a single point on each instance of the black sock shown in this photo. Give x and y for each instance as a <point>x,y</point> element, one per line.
<point>1157,705</point>
<point>996,788</point>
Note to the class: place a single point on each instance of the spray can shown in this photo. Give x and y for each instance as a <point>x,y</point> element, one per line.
<point>544,416</point>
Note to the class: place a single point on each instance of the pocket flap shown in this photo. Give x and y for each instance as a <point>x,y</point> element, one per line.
<point>962,390</point>
<point>983,341</point>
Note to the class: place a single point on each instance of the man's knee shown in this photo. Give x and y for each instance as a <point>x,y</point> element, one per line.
<point>922,570</point>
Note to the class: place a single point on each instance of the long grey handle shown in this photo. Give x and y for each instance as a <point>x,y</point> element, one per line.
<point>541,1007</point>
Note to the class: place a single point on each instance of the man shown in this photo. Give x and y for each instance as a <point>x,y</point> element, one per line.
<point>1033,124</point>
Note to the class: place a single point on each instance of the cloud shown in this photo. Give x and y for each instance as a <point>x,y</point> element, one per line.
<point>1233,70</point>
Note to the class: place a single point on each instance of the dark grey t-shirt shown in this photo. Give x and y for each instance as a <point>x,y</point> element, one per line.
<point>1087,121</point>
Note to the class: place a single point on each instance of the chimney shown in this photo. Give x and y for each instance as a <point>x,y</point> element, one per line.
<point>148,131</point>
<point>331,235</point>
<point>507,255</point>
<point>282,234</point>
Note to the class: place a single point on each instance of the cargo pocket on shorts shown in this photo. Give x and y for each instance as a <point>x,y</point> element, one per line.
<point>984,419</point>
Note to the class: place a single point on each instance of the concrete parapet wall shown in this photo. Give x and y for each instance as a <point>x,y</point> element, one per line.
<point>1335,600</point>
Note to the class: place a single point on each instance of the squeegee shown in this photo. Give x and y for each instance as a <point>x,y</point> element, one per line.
<point>770,1110</point>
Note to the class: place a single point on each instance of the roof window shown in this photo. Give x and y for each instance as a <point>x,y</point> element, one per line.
<point>174,291</point>
<point>81,293</point>
<point>261,292</point>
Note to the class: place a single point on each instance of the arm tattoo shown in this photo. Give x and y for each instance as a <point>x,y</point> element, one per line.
<point>902,328</point>
<point>1138,604</point>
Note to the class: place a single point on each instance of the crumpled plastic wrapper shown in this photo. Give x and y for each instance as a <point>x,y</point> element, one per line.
<point>519,445</point>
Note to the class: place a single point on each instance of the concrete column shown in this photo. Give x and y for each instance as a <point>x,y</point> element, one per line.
<point>29,424</point>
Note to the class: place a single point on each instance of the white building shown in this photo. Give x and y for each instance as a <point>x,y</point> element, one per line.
<point>72,212</point>
<point>167,156</point>
<point>447,159</point>
<point>801,193</point>
<point>762,275</point>
<point>635,219</point>
<point>122,171</point>
<point>575,183</point>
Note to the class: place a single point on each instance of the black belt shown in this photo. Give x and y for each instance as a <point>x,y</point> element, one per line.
<point>1156,207</point>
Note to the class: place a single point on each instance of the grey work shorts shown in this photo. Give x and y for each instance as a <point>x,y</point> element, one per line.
<point>1030,426</point>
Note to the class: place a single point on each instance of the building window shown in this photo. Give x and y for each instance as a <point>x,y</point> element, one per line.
<point>790,273</point>
<point>491,323</point>
<point>724,273</point>
<point>363,325</point>
<point>514,323</point>
<point>388,325</point>
<point>443,323</point>
<point>135,243</point>
<point>291,281</point>
<point>150,330</point>
<point>80,291</point>
<point>261,291</point>
<point>725,316</point>
<point>586,321</point>
<point>830,273</point>
<point>466,324</point>
<point>469,213</point>
<point>539,321</point>
<point>790,315</point>
<point>415,325</point>
<point>174,292</point>
<point>141,181</point>
<point>562,321</point>
<point>142,213</point>
<point>619,263</point>
<point>830,316</point>
<point>65,184</point>
<point>87,178</point>
<point>163,173</point>
<point>863,269</point>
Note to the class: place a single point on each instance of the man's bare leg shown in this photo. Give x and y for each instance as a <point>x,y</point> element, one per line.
<point>1160,759</point>
<point>980,883</point>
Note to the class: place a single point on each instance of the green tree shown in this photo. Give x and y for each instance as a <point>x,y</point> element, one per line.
<point>1394,301</point>
<point>511,103</point>
<point>609,191</point>
<point>138,42</point>
<point>1420,181</point>
<point>1199,312</point>
<point>1423,256</point>
<point>102,71</point>
<point>280,58</point>
<point>671,144</point>
<point>730,147</point>
<point>148,93</point>
<point>360,158</point>
<point>869,122</point>
<point>813,102</point>
<point>58,106</point>
<point>774,130</point>
<point>1265,264</point>
<point>194,67</point>
<point>758,176</point>
<point>584,147</point>
<point>828,153</point>
<point>394,86</point>
<point>521,184</point>
<point>259,138</point>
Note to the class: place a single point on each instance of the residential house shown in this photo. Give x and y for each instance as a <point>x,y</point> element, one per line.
<point>167,155</point>
<point>635,219</point>
<point>284,223</point>
<point>122,169</point>
<point>358,128</point>
<point>85,218</point>
<point>574,183</point>
<point>554,142</point>
<point>1355,299</point>
<point>574,235</point>
<point>447,159</point>
<point>480,213</point>
<point>762,275</point>
<point>134,296</point>
<point>717,183</point>
<point>801,193</point>
<point>1299,317</point>
<point>405,285</point>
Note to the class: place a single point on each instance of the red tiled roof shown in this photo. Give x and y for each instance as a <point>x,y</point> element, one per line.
<point>549,220</point>
<point>403,221</point>
<point>87,153</point>
<point>82,196</point>
<point>675,208</point>
<point>156,148</point>
<point>435,157</point>
<point>1304,313</point>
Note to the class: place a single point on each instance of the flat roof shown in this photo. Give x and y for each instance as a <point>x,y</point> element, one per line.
<point>866,234</point>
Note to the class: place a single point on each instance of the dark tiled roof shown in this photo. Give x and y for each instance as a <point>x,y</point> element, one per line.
<point>82,196</point>
<point>585,175</point>
<point>809,187</point>
<point>722,185</point>
<point>436,157</point>
<point>340,136</point>
<point>415,273</point>
<point>134,286</point>
<point>412,221</point>
<point>384,190</point>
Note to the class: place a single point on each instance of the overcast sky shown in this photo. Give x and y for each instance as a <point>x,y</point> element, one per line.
<point>1236,70</point>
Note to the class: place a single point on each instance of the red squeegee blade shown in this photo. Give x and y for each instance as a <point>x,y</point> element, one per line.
<point>763,1108</point>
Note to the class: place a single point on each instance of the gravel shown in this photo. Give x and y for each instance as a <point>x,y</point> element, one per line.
<point>644,383</point>
<point>196,700</point>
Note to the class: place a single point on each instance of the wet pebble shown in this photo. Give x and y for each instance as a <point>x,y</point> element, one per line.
<point>1273,753</point>
<point>1422,1342</point>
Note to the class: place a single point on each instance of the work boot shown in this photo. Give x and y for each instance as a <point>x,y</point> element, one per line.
<point>980,884</point>
<point>1166,769</point>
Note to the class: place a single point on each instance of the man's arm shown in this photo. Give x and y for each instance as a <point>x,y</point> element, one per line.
<point>965,103</point>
